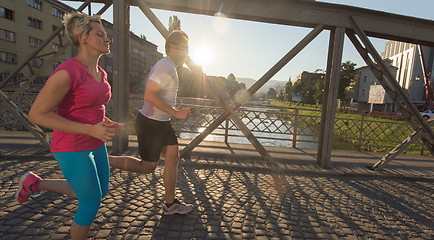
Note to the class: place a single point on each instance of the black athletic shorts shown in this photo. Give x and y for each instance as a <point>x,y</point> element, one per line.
<point>152,136</point>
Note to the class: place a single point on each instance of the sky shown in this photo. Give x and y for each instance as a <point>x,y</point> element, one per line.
<point>249,49</point>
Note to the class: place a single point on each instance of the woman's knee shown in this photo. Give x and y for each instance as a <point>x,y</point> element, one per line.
<point>87,210</point>
<point>104,190</point>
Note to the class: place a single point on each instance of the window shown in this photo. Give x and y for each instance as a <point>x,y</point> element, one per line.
<point>35,23</point>
<point>56,47</point>
<point>35,42</point>
<point>363,92</point>
<point>365,78</point>
<point>135,50</point>
<point>39,81</point>
<point>8,57</point>
<point>4,75</point>
<point>7,13</point>
<point>57,12</point>
<point>35,4</point>
<point>37,62</point>
<point>7,35</point>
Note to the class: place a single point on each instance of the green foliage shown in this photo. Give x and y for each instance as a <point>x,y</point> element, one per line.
<point>287,93</point>
<point>174,23</point>
<point>311,85</point>
<point>378,134</point>
<point>347,78</point>
<point>272,93</point>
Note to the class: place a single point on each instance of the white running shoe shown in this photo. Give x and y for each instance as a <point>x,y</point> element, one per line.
<point>177,207</point>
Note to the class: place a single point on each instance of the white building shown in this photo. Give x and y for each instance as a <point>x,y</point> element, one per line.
<point>404,62</point>
<point>406,58</point>
<point>363,89</point>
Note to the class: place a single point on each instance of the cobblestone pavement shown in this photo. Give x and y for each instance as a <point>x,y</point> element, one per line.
<point>230,203</point>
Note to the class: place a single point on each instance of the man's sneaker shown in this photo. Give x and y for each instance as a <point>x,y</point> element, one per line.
<point>177,207</point>
<point>27,186</point>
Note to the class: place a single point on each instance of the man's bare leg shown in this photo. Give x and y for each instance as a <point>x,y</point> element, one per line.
<point>171,157</point>
<point>132,164</point>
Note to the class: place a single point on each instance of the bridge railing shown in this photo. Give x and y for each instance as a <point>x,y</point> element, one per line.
<point>271,125</point>
<point>292,127</point>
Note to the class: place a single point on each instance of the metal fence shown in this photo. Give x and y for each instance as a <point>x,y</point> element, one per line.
<point>276,126</point>
<point>292,127</point>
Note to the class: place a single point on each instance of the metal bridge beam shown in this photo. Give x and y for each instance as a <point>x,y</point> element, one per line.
<point>308,14</point>
<point>392,88</point>
<point>121,70</point>
<point>330,97</point>
<point>8,100</point>
<point>257,85</point>
<point>337,18</point>
<point>229,110</point>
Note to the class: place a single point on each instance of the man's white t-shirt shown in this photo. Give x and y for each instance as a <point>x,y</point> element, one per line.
<point>163,73</point>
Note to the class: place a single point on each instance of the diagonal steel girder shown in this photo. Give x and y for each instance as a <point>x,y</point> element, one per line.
<point>307,14</point>
<point>39,49</point>
<point>399,148</point>
<point>9,99</point>
<point>54,56</point>
<point>43,46</point>
<point>164,32</point>
<point>392,88</point>
<point>247,133</point>
<point>255,87</point>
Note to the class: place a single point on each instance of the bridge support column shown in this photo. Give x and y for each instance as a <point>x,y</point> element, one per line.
<point>121,73</point>
<point>331,86</point>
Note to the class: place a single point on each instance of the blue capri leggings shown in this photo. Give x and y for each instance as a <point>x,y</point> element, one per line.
<point>88,173</point>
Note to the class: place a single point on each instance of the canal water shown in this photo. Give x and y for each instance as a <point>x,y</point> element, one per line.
<point>265,138</point>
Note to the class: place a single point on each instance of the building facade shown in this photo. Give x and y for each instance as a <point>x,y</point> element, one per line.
<point>25,24</point>
<point>364,88</point>
<point>143,55</point>
<point>406,57</point>
<point>404,62</point>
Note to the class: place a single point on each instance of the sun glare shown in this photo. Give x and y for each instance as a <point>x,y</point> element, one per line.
<point>202,55</point>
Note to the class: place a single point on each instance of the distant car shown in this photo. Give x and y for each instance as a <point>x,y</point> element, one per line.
<point>427,114</point>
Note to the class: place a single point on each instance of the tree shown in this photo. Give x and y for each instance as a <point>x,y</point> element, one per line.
<point>310,86</point>
<point>347,77</point>
<point>288,91</point>
<point>272,93</point>
<point>174,23</point>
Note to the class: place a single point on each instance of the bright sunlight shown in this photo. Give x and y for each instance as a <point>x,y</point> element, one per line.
<point>202,55</point>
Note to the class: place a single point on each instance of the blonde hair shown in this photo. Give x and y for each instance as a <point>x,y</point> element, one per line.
<point>78,23</point>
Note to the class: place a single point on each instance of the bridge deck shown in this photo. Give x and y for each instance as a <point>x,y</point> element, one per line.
<point>236,195</point>
<point>344,162</point>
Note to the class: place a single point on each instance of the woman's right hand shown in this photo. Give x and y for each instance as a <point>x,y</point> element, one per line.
<point>103,131</point>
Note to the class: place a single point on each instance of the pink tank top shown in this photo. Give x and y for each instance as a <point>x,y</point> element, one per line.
<point>83,103</point>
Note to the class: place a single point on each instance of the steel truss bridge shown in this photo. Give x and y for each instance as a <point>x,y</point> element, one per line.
<point>356,23</point>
